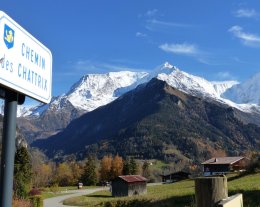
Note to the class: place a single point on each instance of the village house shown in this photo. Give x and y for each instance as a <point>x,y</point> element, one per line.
<point>174,177</point>
<point>129,185</point>
<point>223,165</point>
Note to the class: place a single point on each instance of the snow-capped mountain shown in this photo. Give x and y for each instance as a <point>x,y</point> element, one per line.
<point>194,85</point>
<point>22,111</point>
<point>94,90</point>
<point>245,93</point>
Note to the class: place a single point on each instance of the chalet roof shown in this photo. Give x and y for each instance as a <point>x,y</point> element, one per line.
<point>176,173</point>
<point>222,160</point>
<point>133,178</point>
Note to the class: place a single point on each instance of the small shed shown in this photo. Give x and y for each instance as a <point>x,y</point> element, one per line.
<point>174,177</point>
<point>128,185</point>
<point>223,165</point>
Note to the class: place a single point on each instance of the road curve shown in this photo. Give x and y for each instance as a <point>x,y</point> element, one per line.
<point>57,201</point>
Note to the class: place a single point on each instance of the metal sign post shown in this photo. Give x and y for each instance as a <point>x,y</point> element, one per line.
<point>8,147</point>
<point>26,68</point>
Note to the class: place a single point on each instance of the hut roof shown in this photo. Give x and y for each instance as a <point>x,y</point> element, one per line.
<point>222,160</point>
<point>133,178</point>
<point>179,173</point>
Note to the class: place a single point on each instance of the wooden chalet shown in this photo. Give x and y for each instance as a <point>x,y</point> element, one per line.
<point>223,165</point>
<point>129,185</point>
<point>174,177</point>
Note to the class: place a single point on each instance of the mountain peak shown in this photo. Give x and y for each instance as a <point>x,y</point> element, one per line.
<point>168,65</point>
<point>165,68</point>
<point>247,92</point>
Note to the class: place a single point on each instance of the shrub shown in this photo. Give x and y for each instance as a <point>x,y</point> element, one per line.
<point>36,200</point>
<point>54,188</point>
<point>127,203</point>
<point>254,166</point>
<point>35,191</point>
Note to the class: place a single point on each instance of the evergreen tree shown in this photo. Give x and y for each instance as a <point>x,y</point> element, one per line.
<point>146,171</point>
<point>89,176</point>
<point>126,167</point>
<point>22,173</point>
<point>132,166</point>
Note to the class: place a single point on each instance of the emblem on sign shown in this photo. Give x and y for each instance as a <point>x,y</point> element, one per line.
<point>8,36</point>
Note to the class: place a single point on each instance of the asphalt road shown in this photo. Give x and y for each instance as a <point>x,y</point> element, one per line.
<point>57,201</point>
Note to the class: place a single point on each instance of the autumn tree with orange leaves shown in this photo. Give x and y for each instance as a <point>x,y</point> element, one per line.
<point>105,168</point>
<point>110,167</point>
<point>117,166</point>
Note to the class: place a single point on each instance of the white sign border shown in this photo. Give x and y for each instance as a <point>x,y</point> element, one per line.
<point>16,87</point>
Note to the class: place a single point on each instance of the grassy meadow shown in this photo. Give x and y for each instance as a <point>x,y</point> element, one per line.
<point>180,194</point>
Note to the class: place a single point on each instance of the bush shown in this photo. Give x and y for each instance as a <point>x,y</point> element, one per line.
<point>54,188</point>
<point>36,200</point>
<point>254,166</point>
<point>35,191</point>
<point>127,203</point>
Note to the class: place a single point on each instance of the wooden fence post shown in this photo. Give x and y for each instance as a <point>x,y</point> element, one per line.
<point>210,190</point>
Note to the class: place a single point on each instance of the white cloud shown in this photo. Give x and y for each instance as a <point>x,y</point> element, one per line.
<point>89,66</point>
<point>190,50</point>
<point>185,49</point>
<point>248,39</point>
<point>140,34</point>
<point>248,13</point>
<point>154,24</point>
<point>112,67</point>
<point>151,13</point>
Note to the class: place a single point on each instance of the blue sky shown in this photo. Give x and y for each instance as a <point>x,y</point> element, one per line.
<point>217,39</point>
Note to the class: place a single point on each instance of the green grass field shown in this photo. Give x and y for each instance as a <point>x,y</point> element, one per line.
<point>180,194</point>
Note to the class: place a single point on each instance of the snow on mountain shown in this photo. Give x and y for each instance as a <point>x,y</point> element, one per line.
<point>24,110</point>
<point>94,90</point>
<point>222,86</point>
<point>90,92</point>
<point>194,85</point>
<point>97,90</point>
<point>245,93</point>
<point>218,91</point>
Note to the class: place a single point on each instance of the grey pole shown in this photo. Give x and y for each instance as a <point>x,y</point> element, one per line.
<point>8,149</point>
